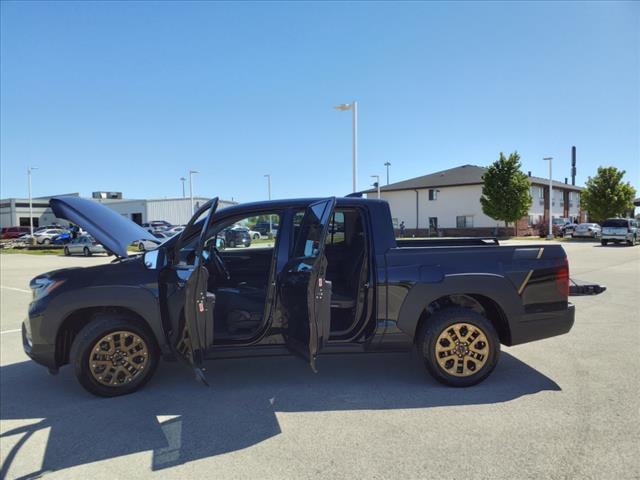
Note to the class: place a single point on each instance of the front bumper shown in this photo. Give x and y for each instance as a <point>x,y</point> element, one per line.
<point>537,326</point>
<point>42,353</point>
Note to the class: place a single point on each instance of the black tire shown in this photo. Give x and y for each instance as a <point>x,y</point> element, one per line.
<point>141,247</point>
<point>46,241</point>
<point>93,332</point>
<point>66,252</point>
<point>604,242</point>
<point>436,325</point>
<point>86,251</point>
<point>232,244</point>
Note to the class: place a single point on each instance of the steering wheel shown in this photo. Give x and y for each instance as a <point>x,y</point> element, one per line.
<point>218,263</point>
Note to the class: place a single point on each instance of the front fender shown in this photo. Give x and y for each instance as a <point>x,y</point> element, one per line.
<point>496,287</point>
<point>142,301</point>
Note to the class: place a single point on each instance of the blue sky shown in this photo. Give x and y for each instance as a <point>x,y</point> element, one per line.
<point>130,96</point>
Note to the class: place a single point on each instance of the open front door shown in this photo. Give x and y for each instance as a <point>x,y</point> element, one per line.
<point>305,295</point>
<point>190,306</point>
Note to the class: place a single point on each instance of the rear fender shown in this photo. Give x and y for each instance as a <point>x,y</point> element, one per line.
<point>494,287</point>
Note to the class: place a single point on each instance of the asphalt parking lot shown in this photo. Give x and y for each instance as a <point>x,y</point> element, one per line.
<point>565,407</point>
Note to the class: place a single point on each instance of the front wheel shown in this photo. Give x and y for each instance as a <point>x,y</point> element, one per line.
<point>604,243</point>
<point>66,252</point>
<point>113,355</point>
<point>459,347</point>
<point>87,252</point>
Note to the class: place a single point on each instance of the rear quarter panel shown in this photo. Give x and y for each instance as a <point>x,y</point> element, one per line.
<point>520,280</point>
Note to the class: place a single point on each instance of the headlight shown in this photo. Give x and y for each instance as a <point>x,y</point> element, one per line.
<point>44,286</point>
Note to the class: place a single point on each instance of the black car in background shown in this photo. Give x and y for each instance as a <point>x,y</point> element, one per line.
<point>237,237</point>
<point>264,228</point>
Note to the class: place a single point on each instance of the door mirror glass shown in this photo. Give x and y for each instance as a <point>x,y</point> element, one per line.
<point>151,259</point>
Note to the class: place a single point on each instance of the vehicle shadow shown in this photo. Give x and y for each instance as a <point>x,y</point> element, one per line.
<point>180,420</point>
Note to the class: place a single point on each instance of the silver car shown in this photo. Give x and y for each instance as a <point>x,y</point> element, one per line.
<point>587,230</point>
<point>86,245</point>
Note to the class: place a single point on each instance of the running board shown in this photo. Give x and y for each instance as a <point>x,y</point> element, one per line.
<point>580,288</point>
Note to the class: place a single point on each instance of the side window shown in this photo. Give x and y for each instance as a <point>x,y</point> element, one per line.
<point>258,231</point>
<point>336,230</point>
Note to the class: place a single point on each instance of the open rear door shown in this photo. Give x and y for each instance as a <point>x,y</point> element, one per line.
<point>190,306</point>
<point>304,294</point>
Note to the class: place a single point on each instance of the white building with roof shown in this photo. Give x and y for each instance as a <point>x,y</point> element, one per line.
<point>448,203</point>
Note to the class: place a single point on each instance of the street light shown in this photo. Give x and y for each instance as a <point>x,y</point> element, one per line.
<point>29,170</point>
<point>191,172</point>
<point>353,106</point>
<point>377,184</point>
<point>550,233</point>
<point>182,179</point>
<point>387,164</point>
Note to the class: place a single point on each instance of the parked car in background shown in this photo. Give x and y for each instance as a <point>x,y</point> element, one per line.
<point>45,237</point>
<point>618,230</point>
<point>62,239</point>
<point>255,235</point>
<point>568,228</point>
<point>589,230</point>
<point>237,237</point>
<point>13,232</point>
<point>173,230</point>
<point>263,228</point>
<point>144,245</point>
<point>157,226</point>
<point>85,245</point>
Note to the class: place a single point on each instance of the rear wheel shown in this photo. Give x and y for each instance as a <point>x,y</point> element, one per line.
<point>232,243</point>
<point>113,355</point>
<point>46,241</point>
<point>86,251</point>
<point>66,252</point>
<point>604,243</point>
<point>459,347</point>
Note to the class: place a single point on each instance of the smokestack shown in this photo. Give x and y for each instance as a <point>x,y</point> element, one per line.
<point>573,165</point>
<point>566,180</point>
<point>529,172</point>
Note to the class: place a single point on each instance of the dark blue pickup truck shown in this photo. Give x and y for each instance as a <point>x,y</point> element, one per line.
<point>334,280</point>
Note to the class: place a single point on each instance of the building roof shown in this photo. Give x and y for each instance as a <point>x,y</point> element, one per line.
<point>463,175</point>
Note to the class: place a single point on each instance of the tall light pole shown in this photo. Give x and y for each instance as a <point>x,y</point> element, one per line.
<point>387,164</point>
<point>268,177</point>
<point>353,106</point>
<point>29,170</point>
<point>377,177</point>
<point>182,179</point>
<point>550,233</point>
<point>191,172</point>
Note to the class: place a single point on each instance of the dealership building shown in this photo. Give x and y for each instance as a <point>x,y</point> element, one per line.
<point>448,203</point>
<point>177,211</point>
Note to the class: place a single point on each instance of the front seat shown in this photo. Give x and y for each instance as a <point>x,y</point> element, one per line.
<point>240,308</point>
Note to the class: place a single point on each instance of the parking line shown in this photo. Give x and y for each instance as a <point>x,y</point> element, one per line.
<point>16,289</point>
<point>11,331</point>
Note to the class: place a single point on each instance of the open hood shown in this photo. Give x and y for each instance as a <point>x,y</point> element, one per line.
<point>108,227</point>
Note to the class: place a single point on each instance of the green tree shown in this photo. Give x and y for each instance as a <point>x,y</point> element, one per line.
<point>607,195</point>
<point>505,193</point>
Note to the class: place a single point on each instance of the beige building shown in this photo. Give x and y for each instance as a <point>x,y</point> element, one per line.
<point>448,203</point>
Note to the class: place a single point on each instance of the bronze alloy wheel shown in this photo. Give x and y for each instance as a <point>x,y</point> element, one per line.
<point>462,349</point>
<point>118,358</point>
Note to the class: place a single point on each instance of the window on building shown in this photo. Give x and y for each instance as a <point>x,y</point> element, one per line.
<point>137,218</point>
<point>464,221</point>
<point>433,194</point>
<point>24,221</point>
